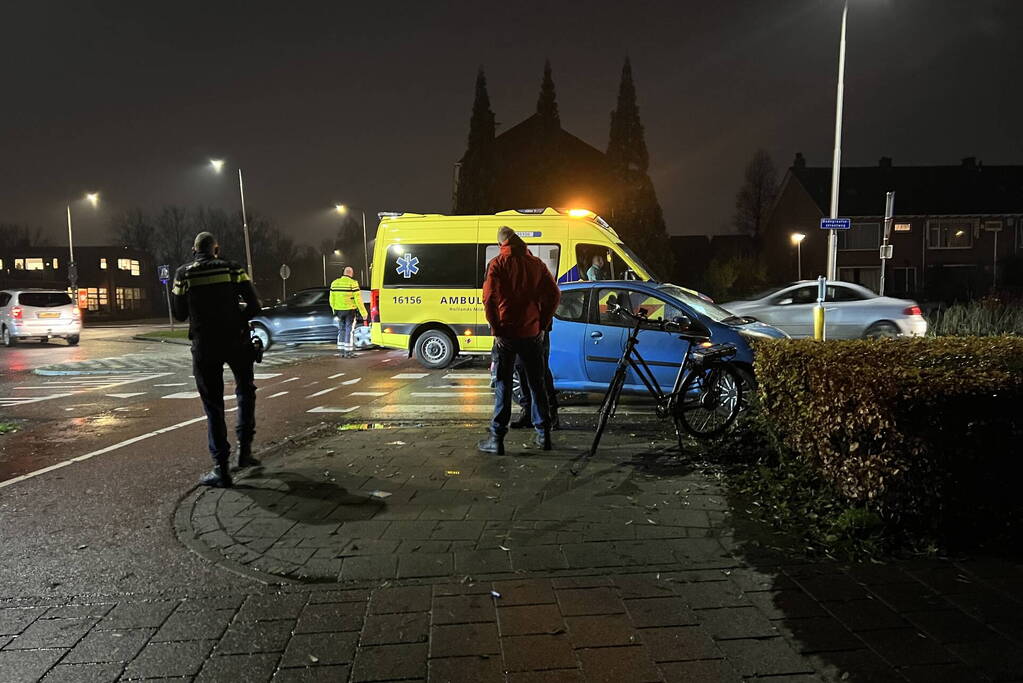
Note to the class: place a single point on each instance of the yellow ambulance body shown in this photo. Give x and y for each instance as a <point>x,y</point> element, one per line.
<point>428,271</point>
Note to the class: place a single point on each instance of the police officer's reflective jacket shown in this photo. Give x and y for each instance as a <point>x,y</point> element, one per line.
<point>208,293</point>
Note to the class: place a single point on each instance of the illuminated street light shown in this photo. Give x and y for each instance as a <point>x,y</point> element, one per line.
<point>72,268</point>
<point>218,166</point>
<point>342,209</point>
<point>797,239</point>
<point>337,252</point>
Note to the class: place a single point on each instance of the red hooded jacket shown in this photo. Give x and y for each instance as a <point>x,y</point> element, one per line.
<point>519,294</point>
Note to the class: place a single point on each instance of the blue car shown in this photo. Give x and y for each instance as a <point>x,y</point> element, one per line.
<point>588,337</point>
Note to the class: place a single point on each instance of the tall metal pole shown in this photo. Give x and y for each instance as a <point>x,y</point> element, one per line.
<point>245,224</point>
<point>324,270</point>
<point>799,260</point>
<point>365,247</point>
<point>832,270</point>
<point>889,212</point>
<point>71,274</point>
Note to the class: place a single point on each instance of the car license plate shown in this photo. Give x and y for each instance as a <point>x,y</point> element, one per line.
<point>49,315</point>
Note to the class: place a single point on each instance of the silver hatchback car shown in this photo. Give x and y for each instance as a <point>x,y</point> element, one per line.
<point>39,314</point>
<point>851,311</point>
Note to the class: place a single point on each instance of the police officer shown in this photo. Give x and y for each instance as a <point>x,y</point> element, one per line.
<point>345,300</point>
<point>218,300</point>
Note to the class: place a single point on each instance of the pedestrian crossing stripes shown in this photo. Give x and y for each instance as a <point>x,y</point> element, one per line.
<point>12,401</point>
<point>411,375</point>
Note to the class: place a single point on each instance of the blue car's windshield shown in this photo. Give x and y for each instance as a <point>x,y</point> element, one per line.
<point>707,308</point>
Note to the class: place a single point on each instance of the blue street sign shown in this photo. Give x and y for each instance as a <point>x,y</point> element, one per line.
<point>164,272</point>
<point>835,224</point>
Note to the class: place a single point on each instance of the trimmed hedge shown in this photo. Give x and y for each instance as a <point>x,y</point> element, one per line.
<point>927,433</point>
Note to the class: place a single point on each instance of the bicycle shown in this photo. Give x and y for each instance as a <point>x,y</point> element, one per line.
<point>707,394</point>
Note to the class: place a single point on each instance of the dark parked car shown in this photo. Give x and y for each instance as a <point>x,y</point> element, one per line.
<point>304,317</point>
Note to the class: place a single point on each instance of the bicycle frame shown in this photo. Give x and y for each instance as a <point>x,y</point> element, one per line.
<point>635,360</point>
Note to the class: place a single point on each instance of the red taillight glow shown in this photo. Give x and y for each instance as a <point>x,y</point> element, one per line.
<point>374,306</point>
<point>17,313</point>
<point>913,310</point>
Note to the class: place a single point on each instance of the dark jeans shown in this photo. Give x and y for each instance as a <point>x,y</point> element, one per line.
<point>208,368</point>
<point>344,321</point>
<point>530,351</point>
<point>525,401</point>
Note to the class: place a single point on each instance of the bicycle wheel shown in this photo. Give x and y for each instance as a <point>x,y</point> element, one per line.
<point>710,401</point>
<point>608,406</point>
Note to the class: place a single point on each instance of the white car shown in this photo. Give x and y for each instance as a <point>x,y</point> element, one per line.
<point>38,314</point>
<point>850,311</point>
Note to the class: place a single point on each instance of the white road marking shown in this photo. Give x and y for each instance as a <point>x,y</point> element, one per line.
<point>335,376</point>
<point>466,375</point>
<point>290,379</point>
<point>322,392</point>
<point>368,393</point>
<point>102,451</point>
<point>279,393</point>
<point>329,409</point>
<point>22,400</point>
<point>411,409</point>
<point>175,384</point>
<point>183,394</point>
<point>138,393</point>
<point>266,375</point>
<point>445,394</point>
<point>481,385</point>
<point>411,375</point>
<point>351,381</point>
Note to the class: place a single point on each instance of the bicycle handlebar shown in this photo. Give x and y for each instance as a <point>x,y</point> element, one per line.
<point>663,325</point>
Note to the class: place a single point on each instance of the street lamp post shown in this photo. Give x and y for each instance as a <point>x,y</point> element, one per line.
<point>72,269</point>
<point>342,209</point>
<point>836,162</point>
<point>337,252</point>
<point>797,239</point>
<point>218,166</point>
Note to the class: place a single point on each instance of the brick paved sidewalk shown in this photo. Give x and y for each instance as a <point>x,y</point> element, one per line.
<point>510,569</point>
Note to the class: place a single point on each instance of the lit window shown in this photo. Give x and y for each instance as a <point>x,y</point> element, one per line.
<point>102,264</point>
<point>1,264</point>
<point>949,233</point>
<point>131,265</point>
<point>19,264</point>
<point>129,298</point>
<point>903,227</point>
<point>34,264</point>
<point>56,264</point>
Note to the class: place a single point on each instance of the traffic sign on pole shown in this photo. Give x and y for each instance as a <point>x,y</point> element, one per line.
<point>835,223</point>
<point>164,273</point>
<point>285,274</point>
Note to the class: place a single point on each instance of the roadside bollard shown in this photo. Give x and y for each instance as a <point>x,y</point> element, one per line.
<point>818,310</point>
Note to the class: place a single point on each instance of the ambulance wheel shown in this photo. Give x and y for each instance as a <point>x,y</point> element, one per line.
<point>435,349</point>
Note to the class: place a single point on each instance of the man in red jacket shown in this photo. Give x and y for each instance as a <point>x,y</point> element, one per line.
<point>520,297</point>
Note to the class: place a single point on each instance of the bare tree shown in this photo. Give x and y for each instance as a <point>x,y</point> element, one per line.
<point>134,229</point>
<point>174,234</point>
<point>13,236</point>
<point>755,198</point>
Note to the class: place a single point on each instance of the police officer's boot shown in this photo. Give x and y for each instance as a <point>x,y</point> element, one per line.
<point>245,458</point>
<point>525,419</point>
<point>219,476</point>
<point>543,440</point>
<point>491,444</point>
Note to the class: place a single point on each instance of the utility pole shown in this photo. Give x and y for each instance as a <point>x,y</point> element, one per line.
<point>836,163</point>
<point>886,249</point>
<point>245,224</point>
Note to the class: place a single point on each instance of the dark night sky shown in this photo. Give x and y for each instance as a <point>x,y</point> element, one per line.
<point>369,102</point>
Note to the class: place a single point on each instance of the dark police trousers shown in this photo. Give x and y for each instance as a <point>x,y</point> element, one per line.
<point>208,367</point>
<point>525,401</point>
<point>530,351</point>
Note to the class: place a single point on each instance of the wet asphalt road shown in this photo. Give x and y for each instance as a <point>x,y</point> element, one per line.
<point>103,524</point>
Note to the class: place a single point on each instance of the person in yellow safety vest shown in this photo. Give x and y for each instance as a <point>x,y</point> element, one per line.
<point>346,301</point>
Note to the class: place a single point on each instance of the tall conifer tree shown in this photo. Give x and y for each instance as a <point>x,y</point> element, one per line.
<point>637,214</point>
<point>475,193</point>
<point>547,103</point>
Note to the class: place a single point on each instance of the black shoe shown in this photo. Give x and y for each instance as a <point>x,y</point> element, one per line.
<point>218,477</point>
<point>543,441</point>
<point>246,460</point>
<point>523,420</point>
<point>491,444</point>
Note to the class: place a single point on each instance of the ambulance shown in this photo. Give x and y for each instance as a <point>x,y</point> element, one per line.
<point>428,272</point>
